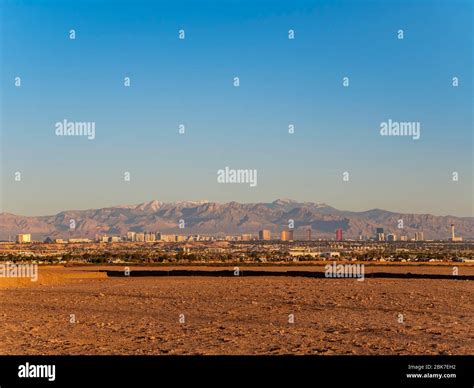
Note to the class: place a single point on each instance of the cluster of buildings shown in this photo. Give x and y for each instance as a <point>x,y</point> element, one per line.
<point>381,236</point>
<point>263,235</point>
<point>314,253</point>
<point>419,236</point>
<point>151,237</point>
<point>391,237</point>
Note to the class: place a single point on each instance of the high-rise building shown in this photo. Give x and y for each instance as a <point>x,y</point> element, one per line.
<point>339,234</point>
<point>391,237</point>
<point>379,234</point>
<point>150,237</point>
<point>308,234</point>
<point>264,234</point>
<point>23,238</point>
<point>140,237</point>
<point>131,236</point>
<point>286,235</point>
<point>453,235</point>
<point>246,237</point>
<point>419,236</point>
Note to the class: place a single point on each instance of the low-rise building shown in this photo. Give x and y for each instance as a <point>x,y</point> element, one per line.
<point>23,238</point>
<point>79,240</point>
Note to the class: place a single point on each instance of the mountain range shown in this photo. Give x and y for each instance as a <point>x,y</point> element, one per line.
<point>204,217</point>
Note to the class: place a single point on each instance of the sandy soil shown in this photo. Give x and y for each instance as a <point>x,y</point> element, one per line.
<point>235,315</point>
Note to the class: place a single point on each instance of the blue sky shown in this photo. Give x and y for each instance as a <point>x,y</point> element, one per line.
<point>282,81</point>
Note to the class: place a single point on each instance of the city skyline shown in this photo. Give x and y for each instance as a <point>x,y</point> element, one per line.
<point>261,235</point>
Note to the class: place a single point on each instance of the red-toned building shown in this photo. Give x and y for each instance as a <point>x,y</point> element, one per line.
<point>339,234</point>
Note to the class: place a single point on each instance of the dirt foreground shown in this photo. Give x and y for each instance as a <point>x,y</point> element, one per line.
<point>82,311</point>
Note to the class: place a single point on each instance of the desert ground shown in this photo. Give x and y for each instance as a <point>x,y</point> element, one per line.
<point>80,310</point>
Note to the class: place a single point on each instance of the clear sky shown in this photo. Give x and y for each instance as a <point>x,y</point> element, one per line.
<point>282,81</point>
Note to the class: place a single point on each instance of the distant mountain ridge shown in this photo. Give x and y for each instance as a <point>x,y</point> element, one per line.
<point>204,217</point>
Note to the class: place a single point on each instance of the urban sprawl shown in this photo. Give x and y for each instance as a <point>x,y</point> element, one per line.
<point>156,247</point>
